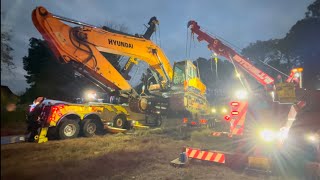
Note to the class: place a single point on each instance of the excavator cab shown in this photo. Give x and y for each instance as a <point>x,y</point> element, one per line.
<point>185,75</point>
<point>187,90</point>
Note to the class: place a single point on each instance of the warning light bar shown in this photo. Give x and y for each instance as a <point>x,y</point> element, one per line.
<point>234,103</point>
<point>185,120</point>
<point>203,121</point>
<point>234,112</point>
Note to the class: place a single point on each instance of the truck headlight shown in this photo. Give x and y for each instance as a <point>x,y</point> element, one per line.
<point>224,110</point>
<point>283,134</point>
<point>91,95</point>
<point>241,94</point>
<point>312,138</point>
<point>267,135</point>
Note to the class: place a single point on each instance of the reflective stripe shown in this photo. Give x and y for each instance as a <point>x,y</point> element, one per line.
<point>208,157</point>
<point>238,120</point>
<point>205,155</point>
<point>193,152</point>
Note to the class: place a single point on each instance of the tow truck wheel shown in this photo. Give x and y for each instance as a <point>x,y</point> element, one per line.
<point>91,127</point>
<point>68,129</point>
<point>158,121</point>
<point>120,122</point>
<point>210,124</point>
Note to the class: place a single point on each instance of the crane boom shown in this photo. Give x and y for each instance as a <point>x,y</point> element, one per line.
<point>221,49</point>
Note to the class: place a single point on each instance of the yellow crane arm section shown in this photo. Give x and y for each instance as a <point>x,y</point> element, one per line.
<point>83,44</point>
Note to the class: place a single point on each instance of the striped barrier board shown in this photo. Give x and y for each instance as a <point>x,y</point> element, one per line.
<point>233,160</point>
<point>216,134</point>
<point>211,156</point>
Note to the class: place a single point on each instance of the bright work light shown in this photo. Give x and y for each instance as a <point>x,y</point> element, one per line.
<point>241,94</point>
<point>267,135</point>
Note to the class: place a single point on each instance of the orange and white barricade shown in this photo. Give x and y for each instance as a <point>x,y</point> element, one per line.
<point>212,156</point>
<point>232,160</point>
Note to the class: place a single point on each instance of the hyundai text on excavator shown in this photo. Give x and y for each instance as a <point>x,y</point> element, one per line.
<point>176,90</point>
<point>300,130</point>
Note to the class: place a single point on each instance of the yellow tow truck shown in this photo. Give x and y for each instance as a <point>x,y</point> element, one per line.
<point>63,120</point>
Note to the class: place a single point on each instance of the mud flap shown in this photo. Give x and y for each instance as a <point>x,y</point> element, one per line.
<point>42,137</point>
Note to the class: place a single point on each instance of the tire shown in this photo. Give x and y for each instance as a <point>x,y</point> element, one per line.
<point>91,127</point>
<point>52,133</point>
<point>32,134</point>
<point>210,124</point>
<point>68,129</point>
<point>154,121</point>
<point>158,122</point>
<point>120,122</point>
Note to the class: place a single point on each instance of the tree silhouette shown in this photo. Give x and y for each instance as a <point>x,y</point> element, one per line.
<point>299,48</point>
<point>313,9</point>
<point>6,49</point>
<point>48,78</point>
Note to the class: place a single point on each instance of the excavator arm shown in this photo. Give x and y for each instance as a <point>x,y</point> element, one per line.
<point>82,47</point>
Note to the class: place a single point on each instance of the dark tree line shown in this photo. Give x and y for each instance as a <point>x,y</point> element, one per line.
<point>299,48</point>
<point>219,78</point>
<point>6,49</point>
<point>48,78</point>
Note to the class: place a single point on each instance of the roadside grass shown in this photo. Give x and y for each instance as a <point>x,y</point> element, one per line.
<point>106,157</point>
<point>141,154</point>
<point>203,139</point>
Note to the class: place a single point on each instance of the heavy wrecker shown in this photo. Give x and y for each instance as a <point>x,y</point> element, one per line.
<point>167,90</point>
<point>299,133</point>
<point>288,92</point>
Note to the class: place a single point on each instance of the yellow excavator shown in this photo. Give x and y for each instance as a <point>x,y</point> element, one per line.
<point>83,46</point>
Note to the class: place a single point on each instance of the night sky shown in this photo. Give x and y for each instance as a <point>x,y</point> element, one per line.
<point>239,22</point>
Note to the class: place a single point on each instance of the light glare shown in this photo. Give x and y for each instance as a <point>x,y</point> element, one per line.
<point>241,94</point>
<point>267,135</point>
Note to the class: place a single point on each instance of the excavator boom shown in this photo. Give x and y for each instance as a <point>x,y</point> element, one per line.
<point>82,46</point>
